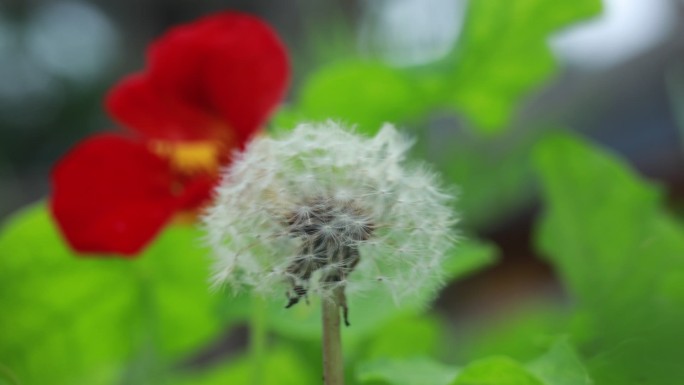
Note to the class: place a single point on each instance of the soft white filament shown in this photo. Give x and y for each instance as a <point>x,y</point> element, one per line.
<point>277,178</point>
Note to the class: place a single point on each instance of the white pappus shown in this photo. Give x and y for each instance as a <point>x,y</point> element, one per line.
<point>322,207</point>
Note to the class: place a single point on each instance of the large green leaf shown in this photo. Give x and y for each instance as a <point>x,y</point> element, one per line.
<point>280,366</point>
<point>66,319</point>
<point>603,227</point>
<point>621,256</point>
<point>413,371</point>
<point>366,94</point>
<point>560,366</point>
<point>503,54</point>
<point>523,334</point>
<point>406,337</point>
<point>496,371</point>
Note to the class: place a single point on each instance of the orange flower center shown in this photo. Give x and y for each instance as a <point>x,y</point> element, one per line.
<point>190,158</point>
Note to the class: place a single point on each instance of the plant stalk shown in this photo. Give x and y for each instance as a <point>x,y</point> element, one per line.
<point>333,365</point>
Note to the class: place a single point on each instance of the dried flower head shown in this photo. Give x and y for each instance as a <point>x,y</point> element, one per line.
<point>323,207</point>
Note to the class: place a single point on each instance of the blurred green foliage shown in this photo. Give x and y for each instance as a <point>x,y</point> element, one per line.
<point>67,318</point>
<point>414,371</point>
<point>72,320</point>
<point>282,366</point>
<point>366,94</point>
<point>494,175</point>
<point>502,56</point>
<point>560,365</point>
<point>619,253</point>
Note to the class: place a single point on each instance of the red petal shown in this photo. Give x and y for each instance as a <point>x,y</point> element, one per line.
<point>216,78</point>
<point>197,192</point>
<point>111,195</point>
<point>136,103</point>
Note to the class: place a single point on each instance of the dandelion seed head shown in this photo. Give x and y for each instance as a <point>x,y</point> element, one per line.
<point>323,207</point>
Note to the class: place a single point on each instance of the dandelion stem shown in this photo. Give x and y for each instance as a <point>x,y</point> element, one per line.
<point>333,366</point>
<point>257,339</point>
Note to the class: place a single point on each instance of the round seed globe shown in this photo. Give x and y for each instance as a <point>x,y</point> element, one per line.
<point>321,208</point>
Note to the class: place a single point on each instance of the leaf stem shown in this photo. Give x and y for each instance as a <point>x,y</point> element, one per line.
<point>333,366</point>
<point>257,338</point>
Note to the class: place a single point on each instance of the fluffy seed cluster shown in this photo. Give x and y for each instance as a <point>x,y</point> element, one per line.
<point>321,207</point>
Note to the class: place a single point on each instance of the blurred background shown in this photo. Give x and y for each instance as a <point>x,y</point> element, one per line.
<point>619,80</point>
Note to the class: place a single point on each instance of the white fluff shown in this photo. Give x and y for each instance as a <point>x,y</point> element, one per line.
<point>274,177</point>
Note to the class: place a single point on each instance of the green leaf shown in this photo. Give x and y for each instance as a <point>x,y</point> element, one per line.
<point>523,334</point>
<point>405,337</point>
<point>285,119</point>
<point>66,319</point>
<point>503,54</point>
<point>415,371</point>
<point>281,366</point>
<point>603,224</point>
<point>597,220</point>
<point>7,377</point>
<point>495,371</point>
<point>620,254</point>
<point>560,366</point>
<point>367,94</point>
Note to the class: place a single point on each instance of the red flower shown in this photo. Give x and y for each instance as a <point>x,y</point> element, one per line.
<point>208,88</point>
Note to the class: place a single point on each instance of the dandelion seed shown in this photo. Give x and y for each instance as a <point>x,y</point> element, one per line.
<point>323,208</point>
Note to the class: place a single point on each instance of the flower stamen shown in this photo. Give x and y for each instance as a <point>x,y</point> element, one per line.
<point>190,157</point>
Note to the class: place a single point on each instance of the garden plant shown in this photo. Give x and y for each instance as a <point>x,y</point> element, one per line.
<point>249,221</point>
